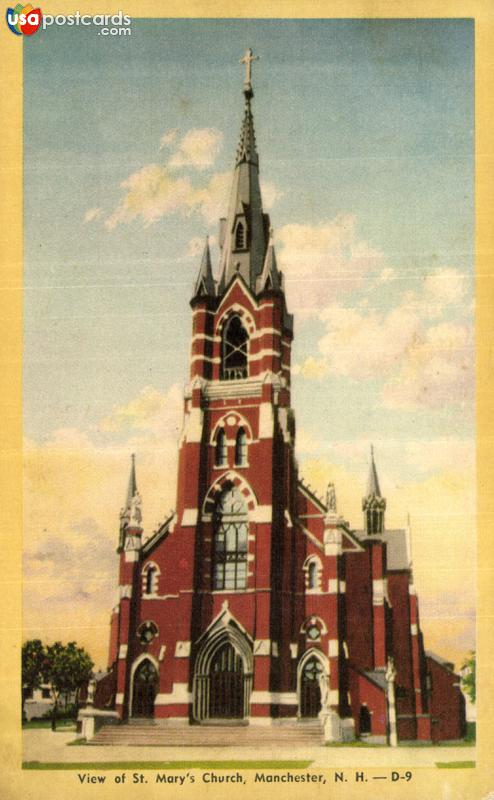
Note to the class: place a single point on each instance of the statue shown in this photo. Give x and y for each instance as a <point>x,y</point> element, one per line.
<point>324,689</point>
<point>91,689</point>
<point>331,498</point>
<point>390,670</point>
<point>135,510</point>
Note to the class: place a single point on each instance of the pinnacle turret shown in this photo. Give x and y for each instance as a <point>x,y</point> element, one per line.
<point>130,514</point>
<point>373,505</point>
<point>205,282</point>
<point>270,278</point>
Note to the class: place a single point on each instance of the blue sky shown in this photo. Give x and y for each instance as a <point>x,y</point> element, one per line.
<point>368,118</point>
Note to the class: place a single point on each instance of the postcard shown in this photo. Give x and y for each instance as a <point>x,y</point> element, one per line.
<point>247,466</point>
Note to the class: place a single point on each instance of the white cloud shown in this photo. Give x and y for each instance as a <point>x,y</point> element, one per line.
<point>199,149</point>
<point>364,345</point>
<point>445,286</point>
<point>423,362</point>
<point>270,195</point>
<point>153,192</point>
<point>169,137</point>
<point>92,214</point>
<point>312,368</point>
<point>322,262</point>
<point>438,371</point>
<point>158,415</point>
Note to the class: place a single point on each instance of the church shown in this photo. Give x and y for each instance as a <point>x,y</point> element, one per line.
<point>255,603</point>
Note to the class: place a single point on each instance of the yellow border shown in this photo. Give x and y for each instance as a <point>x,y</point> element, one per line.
<point>469,784</point>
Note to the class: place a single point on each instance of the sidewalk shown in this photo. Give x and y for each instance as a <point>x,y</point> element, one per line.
<point>44,746</point>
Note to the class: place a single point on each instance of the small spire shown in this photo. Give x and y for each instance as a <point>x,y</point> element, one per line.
<point>205,282</point>
<point>373,504</point>
<point>132,488</point>
<point>373,481</point>
<point>270,277</point>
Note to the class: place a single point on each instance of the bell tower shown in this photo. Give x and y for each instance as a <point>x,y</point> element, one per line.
<point>237,474</point>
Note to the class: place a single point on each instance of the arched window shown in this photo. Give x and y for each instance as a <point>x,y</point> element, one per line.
<point>234,350</point>
<point>241,448</point>
<point>150,575</point>
<point>230,541</point>
<point>221,459</point>
<point>312,575</point>
<point>312,569</point>
<point>240,237</point>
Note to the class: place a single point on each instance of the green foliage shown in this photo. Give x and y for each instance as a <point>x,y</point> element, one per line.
<point>33,656</point>
<point>65,668</point>
<point>468,676</point>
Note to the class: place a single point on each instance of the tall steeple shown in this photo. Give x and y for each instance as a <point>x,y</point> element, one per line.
<point>244,232</point>
<point>373,505</point>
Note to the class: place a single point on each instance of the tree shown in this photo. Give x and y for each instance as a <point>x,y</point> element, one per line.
<point>33,658</point>
<point>468,675</point>
<point>67,668</point>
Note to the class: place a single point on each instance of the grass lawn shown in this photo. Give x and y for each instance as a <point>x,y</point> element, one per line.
<point>62,724</point>
<point>109,765</point>
<point>455,764</point>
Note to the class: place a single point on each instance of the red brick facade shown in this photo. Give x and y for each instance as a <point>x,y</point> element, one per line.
<point>255,600</point>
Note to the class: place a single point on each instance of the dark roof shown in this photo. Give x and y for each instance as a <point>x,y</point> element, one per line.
<point>396,547</point>
<point>440,660</point>
<point>377,676</point>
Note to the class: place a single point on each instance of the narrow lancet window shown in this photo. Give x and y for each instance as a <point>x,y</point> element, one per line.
<point>240,238</point>
<point>312,575</point>
<point>241,449</point>
<point>234,350</point>
<point>221,449</point>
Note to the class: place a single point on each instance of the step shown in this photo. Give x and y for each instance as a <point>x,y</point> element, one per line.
<point>170,735</point>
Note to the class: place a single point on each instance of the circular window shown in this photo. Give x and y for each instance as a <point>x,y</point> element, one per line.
<point>147,632</point>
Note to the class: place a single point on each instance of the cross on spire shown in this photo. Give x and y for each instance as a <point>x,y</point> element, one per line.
<point>247,59</point>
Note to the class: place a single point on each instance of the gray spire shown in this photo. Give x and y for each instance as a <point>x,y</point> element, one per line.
<point>132,488</point>
<point>244,234</point>
<point>205,282</point>
<point>373,480</point>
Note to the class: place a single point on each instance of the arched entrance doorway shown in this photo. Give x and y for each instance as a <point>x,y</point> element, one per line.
<point>223,673</point>
<point>144,690</point>
<point>310,687</point>
<point>226,684</point>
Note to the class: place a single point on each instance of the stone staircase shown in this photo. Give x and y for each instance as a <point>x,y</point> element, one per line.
<point>282,734</point>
